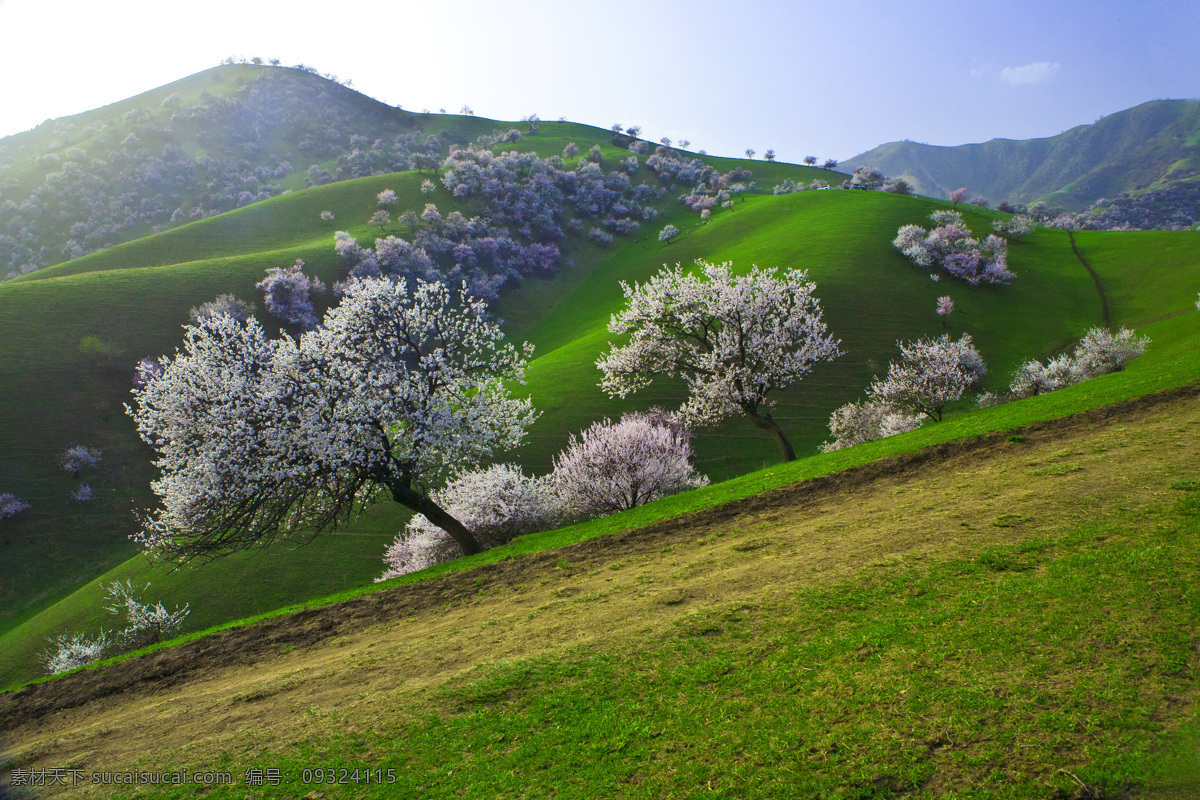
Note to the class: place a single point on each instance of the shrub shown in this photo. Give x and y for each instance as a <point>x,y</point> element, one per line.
<point>11,505</point>
<point>287,295</point>
<point>224,304</point>
<point>615,467</point>
<point>145,624</point>
<point>855,423</point>
<point>1101,351</point>
<point>78,456</point>
<point>72,651</point>
<point>1034,378</point>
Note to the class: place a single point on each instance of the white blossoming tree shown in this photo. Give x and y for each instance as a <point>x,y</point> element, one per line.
<point>933,373</point>
<point>733,339</point>
<point>1101,351</point>
<point>855,423</point>
<point>614,467</point>
<point>262,438</point>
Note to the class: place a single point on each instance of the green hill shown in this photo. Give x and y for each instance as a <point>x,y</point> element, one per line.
<point>843,239</point>
<point>1148,146</point>
<point>209,143</point>
<point>134,297</point>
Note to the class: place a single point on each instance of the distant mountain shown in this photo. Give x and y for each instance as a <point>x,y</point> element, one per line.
<point>1148,146</point>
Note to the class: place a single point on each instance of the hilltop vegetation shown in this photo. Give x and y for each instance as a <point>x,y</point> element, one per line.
<point>218,140</point>
<point>1149,146</point>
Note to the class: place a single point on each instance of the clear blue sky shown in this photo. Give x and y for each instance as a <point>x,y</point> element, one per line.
<point>807,77</point>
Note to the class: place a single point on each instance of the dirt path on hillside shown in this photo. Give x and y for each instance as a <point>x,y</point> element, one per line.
<point>1095,279</point>
<point>945,501</point>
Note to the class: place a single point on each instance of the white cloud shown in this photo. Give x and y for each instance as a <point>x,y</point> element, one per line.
<point>1030,74</point>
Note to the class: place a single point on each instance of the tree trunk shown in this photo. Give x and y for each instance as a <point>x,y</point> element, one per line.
<point>405,496</point>
<point>768,424</point>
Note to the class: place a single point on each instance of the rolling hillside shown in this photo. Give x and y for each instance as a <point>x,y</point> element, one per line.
<point>842,238</point>
<point>134,298</point>
<point>999,605</point>
<point>1006,616</point>
<point>1150,145</point>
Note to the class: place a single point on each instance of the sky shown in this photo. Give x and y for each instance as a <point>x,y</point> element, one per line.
<point>805,77</point>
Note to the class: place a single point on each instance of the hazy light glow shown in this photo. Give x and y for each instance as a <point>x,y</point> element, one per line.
<point>1038,72</point>
<point>829,78</point>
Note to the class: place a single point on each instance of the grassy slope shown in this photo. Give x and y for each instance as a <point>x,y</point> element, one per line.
<point>842,238</point>
<point>1170,362</point>
<point>975,625</point>
<point>59,396</point>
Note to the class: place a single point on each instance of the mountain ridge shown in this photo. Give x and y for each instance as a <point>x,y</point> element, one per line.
<point>1151,145</point>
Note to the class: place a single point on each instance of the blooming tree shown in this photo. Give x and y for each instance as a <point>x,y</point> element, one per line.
<point>263,438</point>
<point>949,245</point>
<point>145,624</point>
<point>1101,351</point>
<point>224,304</point>
<point>78,456</point>
<point>327,216</point>
<point>733,339</point>
<point>668,233</point>
<point>387,197</point>
<point>382,218</point>
<point>868,177</point>
<point>287,295</point>
<point>11,505</point>
<point>83,493</point>
<point>810,161</point>
<point>945,306</point>
<point>614,467</point>
<point>495,504</point>
<point>1034,378</point>
<point>933,372</point>
<point>1014,227</point>
<point>855,423</point>
<point>957,196</point>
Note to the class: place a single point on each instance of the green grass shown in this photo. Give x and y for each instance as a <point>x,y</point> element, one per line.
<point>1008,671</point>
<point>1169,364</point>
<point>871,296</point>
<point>135,297</point>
